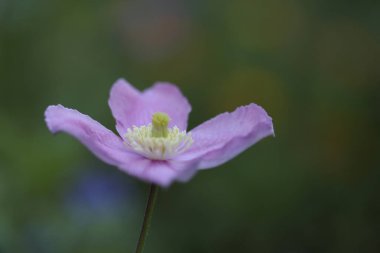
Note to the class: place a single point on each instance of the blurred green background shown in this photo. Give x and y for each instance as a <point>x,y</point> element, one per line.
<point>314,66</point>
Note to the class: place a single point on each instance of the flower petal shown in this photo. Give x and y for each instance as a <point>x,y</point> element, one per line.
<point>166,97</point>
<point>110,148</point>
<point>101,141</point>
<point>225,136</point>
<point>131,107</point>
<point>162,173</point>
<point>126,103</point>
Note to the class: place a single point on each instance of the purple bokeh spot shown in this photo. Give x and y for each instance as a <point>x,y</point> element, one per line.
<point>98,193</point>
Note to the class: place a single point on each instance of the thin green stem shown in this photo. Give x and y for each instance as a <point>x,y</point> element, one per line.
<point>147,217</point>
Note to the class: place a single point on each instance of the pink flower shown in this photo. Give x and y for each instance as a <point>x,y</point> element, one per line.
<point>153,144</point>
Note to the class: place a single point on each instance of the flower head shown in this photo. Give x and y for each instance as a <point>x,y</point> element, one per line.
<point>147,141</point>
<point>153,144</point>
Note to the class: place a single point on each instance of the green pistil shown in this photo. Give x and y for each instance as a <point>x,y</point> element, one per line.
<point>160,122</point>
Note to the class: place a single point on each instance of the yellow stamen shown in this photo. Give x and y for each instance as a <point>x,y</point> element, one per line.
<point>160,122</point>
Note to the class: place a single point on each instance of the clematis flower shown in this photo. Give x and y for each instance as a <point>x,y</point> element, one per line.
<point>153,144</point>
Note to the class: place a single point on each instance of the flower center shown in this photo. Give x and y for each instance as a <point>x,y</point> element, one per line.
<point>160,122</point>
<point>156,140</point>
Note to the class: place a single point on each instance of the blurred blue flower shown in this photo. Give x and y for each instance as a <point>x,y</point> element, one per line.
<point>98,193</point>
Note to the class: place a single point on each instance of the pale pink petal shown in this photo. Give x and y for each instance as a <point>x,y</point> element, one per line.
<point>225,136</point>
<point>166,97</point>
<point>162,173</point>
<point>126,102</point>
<point>131,107</point>
<point>101,141</point>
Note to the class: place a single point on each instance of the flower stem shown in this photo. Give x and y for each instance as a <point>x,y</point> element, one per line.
<point>147,217</point>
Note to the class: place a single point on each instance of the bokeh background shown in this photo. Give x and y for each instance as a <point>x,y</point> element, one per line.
<point>314,66</point>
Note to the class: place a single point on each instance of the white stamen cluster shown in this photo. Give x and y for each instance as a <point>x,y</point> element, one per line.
<point>140,140</point>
